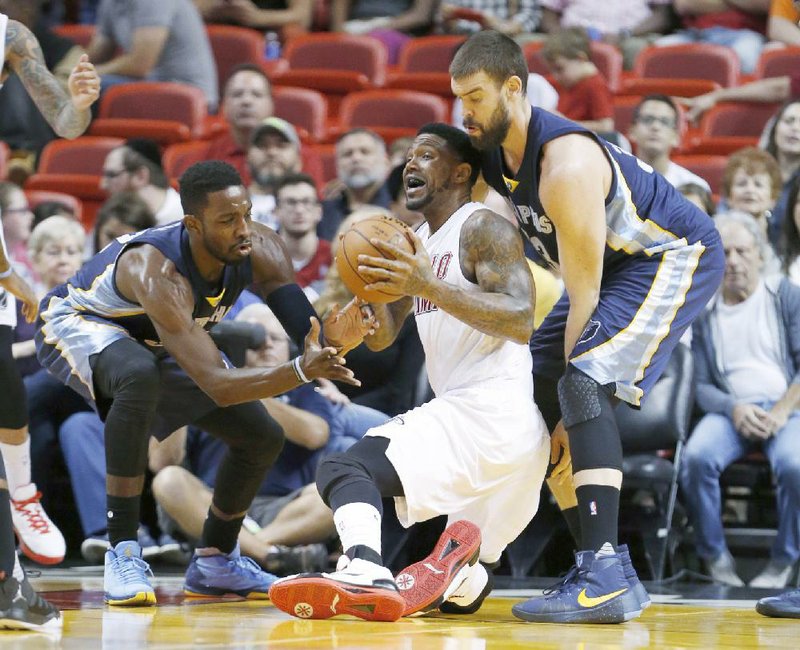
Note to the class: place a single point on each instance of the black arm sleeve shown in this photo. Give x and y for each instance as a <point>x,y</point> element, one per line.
<point>293,310</point>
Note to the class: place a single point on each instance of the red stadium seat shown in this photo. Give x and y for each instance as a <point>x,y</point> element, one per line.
<point>690,61</point>
<point>778,62</point>
<point>708,167</point>
<point>672,87</point>
<point>165,112</point>
<point>79,34</point>
<point>736,118</point>
<point>35,197</point>
<point>179,157</point>
<point>232,46</point>
<point>326,153</point>
<point>306,109</point>
<point>83,156</point>
<point>429,53</point>
<point>391,113</point>
<point>720,145</point>
<point>606,57</point>
<point>624,106</point>
<point>82,186</point>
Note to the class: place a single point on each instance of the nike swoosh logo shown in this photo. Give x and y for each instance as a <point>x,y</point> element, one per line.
<point>334,603</point>
<point>432,568</point>
<point>588,601</point>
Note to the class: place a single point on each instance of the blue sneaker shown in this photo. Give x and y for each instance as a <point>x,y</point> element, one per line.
<point>785,605</point>
<point>218,575</point>
<point>594,591</point>
<point>125,578</point>
<point>631,577</point>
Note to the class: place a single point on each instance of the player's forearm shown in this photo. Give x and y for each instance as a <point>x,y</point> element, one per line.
<point>16,285</point>
<point>496,314</point>
<point>230,386</point>
<point>126,65</point>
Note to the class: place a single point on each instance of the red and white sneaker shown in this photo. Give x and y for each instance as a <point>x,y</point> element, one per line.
<point>363,589</point>
<point>39,538</point>
<point>430,582</point>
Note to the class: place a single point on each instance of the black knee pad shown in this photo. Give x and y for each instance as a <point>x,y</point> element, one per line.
<point>579,397</point>
<point>336,469</point>
<point>13,403</point>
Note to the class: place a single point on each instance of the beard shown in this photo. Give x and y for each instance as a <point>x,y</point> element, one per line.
<point>494,132</point>
<point>360,180</point>
<point>229,256</point>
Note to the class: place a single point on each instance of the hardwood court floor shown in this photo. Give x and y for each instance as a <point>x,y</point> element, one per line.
<point>234,623</point>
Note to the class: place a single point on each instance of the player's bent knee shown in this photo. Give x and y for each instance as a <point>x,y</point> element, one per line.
<point>168,481</point>
<point>141,380</point>
<point>581,398</point>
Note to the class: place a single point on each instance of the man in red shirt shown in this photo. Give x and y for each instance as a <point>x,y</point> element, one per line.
<point>246,103</point>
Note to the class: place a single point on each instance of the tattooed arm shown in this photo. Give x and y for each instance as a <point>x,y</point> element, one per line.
<point>69,115</point>
<point>491,256</point>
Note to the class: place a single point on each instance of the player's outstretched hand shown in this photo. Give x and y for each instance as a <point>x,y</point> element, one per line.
<point>324,362</point>
<point>409,274</point>
<point>84,84</point>
<point>346,328</point>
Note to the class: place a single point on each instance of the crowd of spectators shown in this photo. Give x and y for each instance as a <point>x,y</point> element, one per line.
<point>756,200</point>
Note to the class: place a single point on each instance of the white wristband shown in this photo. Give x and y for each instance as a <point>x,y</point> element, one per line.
<point>301,376</point>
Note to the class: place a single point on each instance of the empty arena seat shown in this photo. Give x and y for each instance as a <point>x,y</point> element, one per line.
<point>778,62</point>
<point>84,187</point>
<point>736,119</point>
<point>673,87</point>
<point>689,61</point>
<point>37,197</point>
<point>84,155</point>
<point>709,167</point>
<point>79,34</point>
<point>306,109</point>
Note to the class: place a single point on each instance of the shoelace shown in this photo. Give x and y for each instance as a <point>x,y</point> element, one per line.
<point>35,516</point>
<point>566,581</point>
<point>130,569</point>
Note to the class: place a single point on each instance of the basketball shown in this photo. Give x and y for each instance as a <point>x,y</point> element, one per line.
<point>355,242</point>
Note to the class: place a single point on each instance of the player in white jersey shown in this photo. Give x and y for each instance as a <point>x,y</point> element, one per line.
<point>68,115</point>
<point>479,449</point>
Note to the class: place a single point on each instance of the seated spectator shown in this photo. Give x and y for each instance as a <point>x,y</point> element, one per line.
<point>747,357</point>
<point>751,183</point>
<point>55,249</point>
<point>246,103</point>
<point>362,167</point>
<point>722,23</point>
<point>469,16</point>
<point>23,127</point>
<point>286,15</point>
<point>122,214</point>
<point>655,131</point>
<point>288,513</point>
<point>783,142</point>
<point>136,167</point>
<point>393,22</point>
<point>389,377</point>
<point>790,243</point>
<point>160,40</point>
<point>630,25</point>
<point>273,153</point>
<point>782,25</point>
<point>15,220</point>
<point>700,196</point>
<point>583,93</point>
<point>298,211</point>
<point>767,90</point>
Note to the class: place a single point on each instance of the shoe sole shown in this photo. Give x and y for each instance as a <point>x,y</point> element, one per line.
<point>139,599</point>
<point>776,612</point>
<point>36,557</point>
<point>321,598</point>
<point>624,607</point>
<point>55,624</point>
<point>210,592</point>
<point>425,584</point>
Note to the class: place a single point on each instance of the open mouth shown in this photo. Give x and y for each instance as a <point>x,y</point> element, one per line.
<point>413,185</point>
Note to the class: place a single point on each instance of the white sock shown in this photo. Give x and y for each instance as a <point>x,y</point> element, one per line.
<point>605,549</point>
<point>19,572</point>
<point>358,523</point>
<point>18,464</point>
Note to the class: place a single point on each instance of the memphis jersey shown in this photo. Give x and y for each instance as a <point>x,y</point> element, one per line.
<point>92,293</point>
<point>456,354</point>
<point>644,213</point>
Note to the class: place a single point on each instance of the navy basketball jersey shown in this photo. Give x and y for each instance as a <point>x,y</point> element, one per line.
<point>92,291</point>
<point>644,213</point>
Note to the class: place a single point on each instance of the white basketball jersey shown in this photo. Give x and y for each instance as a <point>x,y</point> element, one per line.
<point>457,355</point>
<point>8,314</point>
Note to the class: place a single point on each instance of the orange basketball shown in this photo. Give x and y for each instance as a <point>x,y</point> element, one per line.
<point>355,242</point>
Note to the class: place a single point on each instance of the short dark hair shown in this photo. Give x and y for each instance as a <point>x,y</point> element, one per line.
<point>772,146</point>
<point>247,67</point>
<point>493,53</point>
<point>141,152</point>
<point>294,178</point>
<point>658,97</point>
<point>362,130</point>
<point>459,144</point>
<point>203,178</point>
<point>126,207</point>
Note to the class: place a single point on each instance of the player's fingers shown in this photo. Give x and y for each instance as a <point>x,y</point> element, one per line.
<point>389,248</point>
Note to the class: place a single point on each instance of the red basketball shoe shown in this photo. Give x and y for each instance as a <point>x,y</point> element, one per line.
<point>427,584</point>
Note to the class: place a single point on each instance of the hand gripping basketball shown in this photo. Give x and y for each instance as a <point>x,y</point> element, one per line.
<point>346,328</point>
<point>324,362</point>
